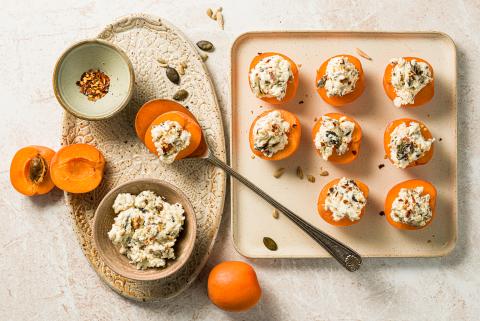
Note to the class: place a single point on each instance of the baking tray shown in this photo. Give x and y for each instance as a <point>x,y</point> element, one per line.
<point>372,236</point>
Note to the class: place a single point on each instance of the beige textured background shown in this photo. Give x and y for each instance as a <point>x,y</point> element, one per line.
<point>44,275</point>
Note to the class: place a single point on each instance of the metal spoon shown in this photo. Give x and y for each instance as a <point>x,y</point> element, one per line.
<point>347,257</point>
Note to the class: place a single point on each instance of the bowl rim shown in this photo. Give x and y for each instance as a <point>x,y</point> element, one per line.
<point>67,51</point>
<point>190,215</point>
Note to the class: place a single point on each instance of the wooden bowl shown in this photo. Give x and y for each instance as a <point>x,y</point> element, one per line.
<point>104,218</point>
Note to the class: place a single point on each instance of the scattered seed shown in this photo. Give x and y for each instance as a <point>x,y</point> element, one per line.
<point>324,173</point>
<point>252,157</point>
<point>299,172</point>
<point>209,12</point>
<point>311,178</point>
<point>37,170</point>
<point>275,214</point>
<point>162,62</point>
<point>270,244</point>
<point>381,166</point>
<point>382,213</point>
<point>181,70</point>
<point>203,56</point>
<point>183,64</point>
<point>172,75</point>
<point>219,18</point>
<point>205,45</point>
<point>361,53</point>
<point>279,172</point>
<point>180,95</point>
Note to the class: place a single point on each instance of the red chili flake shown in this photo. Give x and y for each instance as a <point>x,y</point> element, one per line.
<point>94,84</point>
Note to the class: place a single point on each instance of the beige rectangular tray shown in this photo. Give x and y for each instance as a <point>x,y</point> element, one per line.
<point>372,236</point>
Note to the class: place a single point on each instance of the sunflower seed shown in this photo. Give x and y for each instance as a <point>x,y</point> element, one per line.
<point>275,214</point>
<point>324,173</point>
<point>361,53</point>
<point>279,172</point>
<point>203,56</point>
<point>299,172</point>
<point>270,244</point>
<point>205,45</point>
<point>181,70</point>
<point>172,75</point>
<point>162,62</point>
<point>209,12</point>
<point>311,178</point>
<point>180,95</point>
<point>219,18</point>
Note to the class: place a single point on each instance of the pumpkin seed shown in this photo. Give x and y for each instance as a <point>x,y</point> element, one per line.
<point>275,214</point>
<point>38,169</point>
<point>180,95</point>
<point>172,75</point>
<point>279,172</point>
<point>299,172</point>
<point>270,244</point>
<point>205,45</point>
<point>311,178</point>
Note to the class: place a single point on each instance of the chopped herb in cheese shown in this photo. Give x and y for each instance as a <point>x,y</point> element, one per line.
<point>270,133</point>
<point>270,77</point>
<point>345,200</point>
<point>407,144</point>
<point>408,78</point>
<point>170,139</point>
<point>411,207</point>
<point>334,134</point>
<point>340,77</point>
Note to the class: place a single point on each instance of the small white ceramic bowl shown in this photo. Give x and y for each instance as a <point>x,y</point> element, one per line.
<point>93,54</point>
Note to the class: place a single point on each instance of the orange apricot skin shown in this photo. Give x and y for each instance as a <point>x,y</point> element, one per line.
<point>423,96</point>
<point>292,85</point>
<point>327,215</point>
<point>425,133</point>
<point>233,286</point>
<point>339,101</point>
<point>186,122</point>
<point>354,146</point>
<point>20,166</point>
<point>428,188</point>
<point>77,168</point>
<point>154,108</point>
<point>294,136</point>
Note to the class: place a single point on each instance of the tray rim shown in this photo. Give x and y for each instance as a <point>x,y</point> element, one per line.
<point>450,247</point>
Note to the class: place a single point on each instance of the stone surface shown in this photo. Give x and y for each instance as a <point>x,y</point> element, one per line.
<point>44,274</point>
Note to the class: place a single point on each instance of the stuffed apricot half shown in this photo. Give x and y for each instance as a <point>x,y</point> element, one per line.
<point>155,108</point>
<point>30,170</point>
<point>410,205</point>
<point>337,138</point>
<point>342,201</point>
<point>273,77</point>
<point>275,134</point>
<point>408,143</point>
<point>408,81</point>
<point>340,80</point>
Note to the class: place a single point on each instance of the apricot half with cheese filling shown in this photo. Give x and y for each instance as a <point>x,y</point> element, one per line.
<point>337,138</point>
<point>408,143</point>
<point>408,81</point>
<point>340,80</point>
<point>173,136</point>
<point>410,205</point>
<point>275,134</point>
<point>342,201</point>
<point>30,170</point>
<point>273,77</point>
<point>77,168</point>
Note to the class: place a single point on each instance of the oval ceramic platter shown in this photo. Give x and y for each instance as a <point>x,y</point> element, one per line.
<point>145,39</point>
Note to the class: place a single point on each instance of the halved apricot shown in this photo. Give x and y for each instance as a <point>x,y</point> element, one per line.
<point>327,215</point>
<point>425,133</point>
<point>187,124</point>
<point>428,188</point>
<point>292,84</point>
<point>30,170</point>
<point>339,101</point>
<point>294,136</point>
<point>77,168</point>
<point>154,108</point>
<point>353,147</point>
<point>423,96</point>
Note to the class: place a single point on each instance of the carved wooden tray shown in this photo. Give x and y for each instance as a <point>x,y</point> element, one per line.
<point>145,39</point>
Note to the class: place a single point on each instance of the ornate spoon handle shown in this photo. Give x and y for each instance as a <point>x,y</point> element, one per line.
<point>347,257</point>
